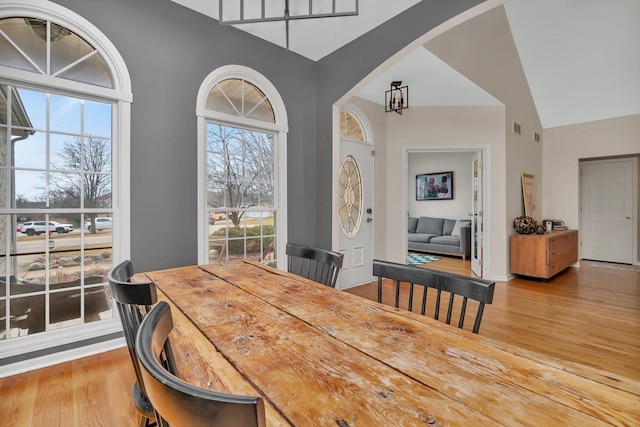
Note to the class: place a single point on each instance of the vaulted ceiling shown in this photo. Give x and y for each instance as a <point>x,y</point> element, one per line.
<point>581,58</point>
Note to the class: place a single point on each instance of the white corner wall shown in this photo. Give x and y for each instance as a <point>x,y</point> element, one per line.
<point>446,129</point>
<point>565,146</point>
<point>457,162</point>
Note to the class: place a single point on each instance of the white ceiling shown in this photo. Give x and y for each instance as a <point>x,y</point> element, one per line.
<point>581,57</point>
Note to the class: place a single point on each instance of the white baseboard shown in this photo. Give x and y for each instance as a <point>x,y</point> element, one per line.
<point>60,357</point>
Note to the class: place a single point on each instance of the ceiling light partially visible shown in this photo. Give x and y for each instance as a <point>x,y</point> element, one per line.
<point>397,98</point>
<point>47,30</point>
<point>233,12</point>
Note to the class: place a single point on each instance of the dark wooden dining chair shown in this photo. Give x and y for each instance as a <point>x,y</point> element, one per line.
<point>177,402</point>
<point>133,301</point>
<point>319,265</point>
<point>443,283</point>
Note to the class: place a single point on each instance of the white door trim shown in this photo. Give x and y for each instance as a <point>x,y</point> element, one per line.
<point>486,186</point>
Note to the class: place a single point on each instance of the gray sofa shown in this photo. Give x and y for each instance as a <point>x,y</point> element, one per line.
<point>440,235</point>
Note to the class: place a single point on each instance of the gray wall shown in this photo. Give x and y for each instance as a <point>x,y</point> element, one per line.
<point>169,50</point>
<point>343,69</point>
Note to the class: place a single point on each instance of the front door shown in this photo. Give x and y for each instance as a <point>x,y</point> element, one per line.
<point>355,210</point>
<point>476,215</point>
<point>607,210</point>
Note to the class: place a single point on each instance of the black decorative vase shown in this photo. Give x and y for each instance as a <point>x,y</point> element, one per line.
<point>524,225</point>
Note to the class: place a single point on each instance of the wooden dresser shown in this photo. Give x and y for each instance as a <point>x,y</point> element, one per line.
<point>543,255</point>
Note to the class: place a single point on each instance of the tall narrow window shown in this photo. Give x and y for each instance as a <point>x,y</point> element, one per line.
<point>243,173</point>
<point>59,196</point>
<point>57,173</point>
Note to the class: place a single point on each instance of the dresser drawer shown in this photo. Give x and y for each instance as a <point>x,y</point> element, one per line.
<point>567,239</point>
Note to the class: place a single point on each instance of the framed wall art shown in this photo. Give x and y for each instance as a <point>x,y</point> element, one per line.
<point>434,186</point>
<point>530,196</point>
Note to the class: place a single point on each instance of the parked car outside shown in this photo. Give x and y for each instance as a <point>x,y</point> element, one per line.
<point>19,228</point>
<point>102,223</point>
<point>35,228</point>
<point>215,216</point>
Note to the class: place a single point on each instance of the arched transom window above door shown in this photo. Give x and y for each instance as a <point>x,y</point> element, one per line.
<point>351,127</point>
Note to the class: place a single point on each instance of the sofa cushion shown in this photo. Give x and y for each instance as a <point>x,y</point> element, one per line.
<point>459,223</point>
<point>421,237</point>
<point>428,225</point>
<point>446,240</point>
<point>412,222</point>
<point>447,228</point>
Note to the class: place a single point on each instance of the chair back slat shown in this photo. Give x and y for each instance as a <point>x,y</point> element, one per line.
<point>448,283</point>
<point>319,265</point>
<point>176,402</point>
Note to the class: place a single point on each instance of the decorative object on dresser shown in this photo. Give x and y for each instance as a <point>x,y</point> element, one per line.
<point>556,224</point>
<point>530,196</point>
<point>524,225</point>
<point>543,256</point>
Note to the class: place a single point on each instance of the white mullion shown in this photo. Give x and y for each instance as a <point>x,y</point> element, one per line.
<point>242,97</point>
<point>47,147</point>
<point>21,52</point>
<point>256,106</point>
<point>48,48</point>
<point>229,101</point>
<point>82,183</point>
<point>74,63</point>
<point>47,273</point>
<point>7,231</point>
<point>8,145</point>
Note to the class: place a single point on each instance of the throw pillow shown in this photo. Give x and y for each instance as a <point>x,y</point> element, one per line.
<point>448,227</point>
<point>456,228</point>
<point>412,223</point>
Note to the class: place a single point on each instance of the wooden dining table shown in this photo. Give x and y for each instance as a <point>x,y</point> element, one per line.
<point>321,357</point>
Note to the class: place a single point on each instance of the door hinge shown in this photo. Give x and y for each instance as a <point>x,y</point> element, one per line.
<point>480,262</point>
<point>373,152</point>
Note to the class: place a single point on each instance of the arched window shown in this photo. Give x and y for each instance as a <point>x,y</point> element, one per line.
<point>351,127</point>
<point>242,177</point>
<point>64,91</point>
<point>350,180</point>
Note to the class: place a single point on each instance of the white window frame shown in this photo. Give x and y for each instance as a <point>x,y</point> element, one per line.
<point>121,96</point>
<point>280,129</point>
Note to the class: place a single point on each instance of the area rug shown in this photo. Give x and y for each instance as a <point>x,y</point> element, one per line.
<point>613,266</point>
<point>414,259</point>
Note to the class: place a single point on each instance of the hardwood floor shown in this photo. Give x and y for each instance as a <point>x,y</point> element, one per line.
<point>588,315</point>
<point>93,391</point>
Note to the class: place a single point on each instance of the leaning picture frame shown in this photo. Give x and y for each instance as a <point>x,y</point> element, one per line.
<point>530,196</point>
<point>434,186</point>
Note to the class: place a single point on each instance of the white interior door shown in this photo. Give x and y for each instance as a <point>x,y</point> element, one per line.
<point>356,213</point>
<point>607,201</point>
<point>476,215</point>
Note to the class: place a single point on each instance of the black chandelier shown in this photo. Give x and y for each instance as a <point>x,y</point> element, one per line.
<point>397,98</point>
<point>234,12</point>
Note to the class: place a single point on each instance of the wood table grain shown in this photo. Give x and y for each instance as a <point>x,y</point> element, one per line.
<point>322,357</point>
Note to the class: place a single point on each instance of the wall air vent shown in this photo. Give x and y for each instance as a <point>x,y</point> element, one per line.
<point>536,137</point>
<point>517,128</point>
